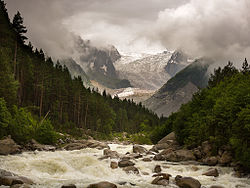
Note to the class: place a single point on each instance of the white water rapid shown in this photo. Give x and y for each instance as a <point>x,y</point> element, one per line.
<point>82,167</point>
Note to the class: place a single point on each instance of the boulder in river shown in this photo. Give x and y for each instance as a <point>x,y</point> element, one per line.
<point>187,182</point>
<point>164,175</point>
<point>146,159</point>
<point>160,181</point>
<point>211,172</point>
<point>226,158</point>
<point>157,169</point>
<point>159,157</point>
<point>8,178</point>
<point>113,165</point>
<point>34,145</point>
<point>75,146</point>
<point>69,186</point>
<point>125,163</point>
<point>103,184</point>
<point>131,169</point>
<point>20,186</point>
<point>8,146</point>
<point>211,161</point>
<point>110,153</point>
<point>139,149</point>
<point>206,148</point>
<point>180,155</point>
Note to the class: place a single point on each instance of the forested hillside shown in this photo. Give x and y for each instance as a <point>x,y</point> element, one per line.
<point>219,114</point>
<point>39,96</point>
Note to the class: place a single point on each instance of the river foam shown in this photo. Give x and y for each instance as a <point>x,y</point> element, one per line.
<point>82,167</point>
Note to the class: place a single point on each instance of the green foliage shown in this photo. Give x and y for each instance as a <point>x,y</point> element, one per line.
<point>140,138</point>
<point>22,125</point>
<point>219,113</point>
<point>5,118</point>
<point>45,133</point>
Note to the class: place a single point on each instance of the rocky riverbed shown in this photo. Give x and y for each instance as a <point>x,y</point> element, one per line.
<point>87,162</point>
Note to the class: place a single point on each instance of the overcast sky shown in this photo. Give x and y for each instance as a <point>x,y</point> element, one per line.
<point>213,28</point>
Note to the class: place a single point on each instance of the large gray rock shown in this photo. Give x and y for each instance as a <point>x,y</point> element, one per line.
<point>180,155</point>
<point>8,146</point>
<point>211,161</point>
<point>82,144</point>
<point>125,163</point>
<point>139,149</point>
<point>226,158</point>
<point>103,184</point>
<point>211,172</point>
<point>131,169</point>
<point>12,180</point>
<point>69,186</point>
<point>110,153</point>
<point>160,181</point>
<point>170,136</point>
<point>75,146</point>
<point>187,182</point>
<point>34,145</point>
<point>206,148</point>
<point>157,169</point>
<point>113,165</point>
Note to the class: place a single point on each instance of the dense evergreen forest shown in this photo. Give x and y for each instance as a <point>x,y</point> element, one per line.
<point>220,113</point>
<point>38,96</point>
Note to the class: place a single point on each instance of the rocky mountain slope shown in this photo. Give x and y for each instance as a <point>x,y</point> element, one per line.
<point>179,89</point>
<point>97,62</point>
<point>151,71</point>
<point>76,70</point>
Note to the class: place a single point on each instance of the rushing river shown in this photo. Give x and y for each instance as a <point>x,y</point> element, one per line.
<point>82,167</point>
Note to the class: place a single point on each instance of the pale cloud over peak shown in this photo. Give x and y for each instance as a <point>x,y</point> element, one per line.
<point>215,28</point>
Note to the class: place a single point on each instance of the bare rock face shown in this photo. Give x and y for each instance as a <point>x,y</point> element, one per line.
<point>139,149</point>
<point>211,172</point>
<point>187,182</point>
<point>103,184</point>
<point>8,146</point>
<point>170,136</point>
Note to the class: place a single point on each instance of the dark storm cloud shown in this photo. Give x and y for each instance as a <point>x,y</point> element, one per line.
<point>214,28</point>
<point>50,22</point>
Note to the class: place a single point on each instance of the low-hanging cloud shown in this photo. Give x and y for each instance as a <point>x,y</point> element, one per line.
<point>216,28</point>
<point>213,28</point>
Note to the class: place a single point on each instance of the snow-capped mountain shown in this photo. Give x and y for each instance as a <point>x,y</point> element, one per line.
<point>151,71</point>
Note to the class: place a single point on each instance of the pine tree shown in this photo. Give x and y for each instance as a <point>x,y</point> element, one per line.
<point>19,27</point>
<point>245,67</point>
